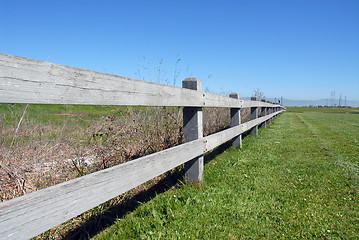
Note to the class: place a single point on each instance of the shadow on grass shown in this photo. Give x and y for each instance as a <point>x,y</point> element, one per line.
<point>101,221</point>
<point>217,151</point>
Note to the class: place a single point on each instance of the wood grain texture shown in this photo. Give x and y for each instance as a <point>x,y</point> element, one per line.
<point>24,80</point>
<point>29,81</point>
<point>213,100</point>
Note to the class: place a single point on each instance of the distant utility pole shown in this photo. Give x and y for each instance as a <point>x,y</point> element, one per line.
<point>340,100</point>
<point>281,100</point>
<point>345,101</point>
<point>333,99</point>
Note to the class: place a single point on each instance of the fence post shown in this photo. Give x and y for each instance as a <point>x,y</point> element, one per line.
<point>273,112</point>
<point>235,121</point>
<point>192,130</point>
<point>269,112</point>
<point>254,115</point>
<point>263,114</point>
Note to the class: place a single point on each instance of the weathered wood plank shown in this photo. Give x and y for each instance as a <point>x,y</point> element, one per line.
<point>29,81</point>
<point>248,104</point>
<point>214,140</point>
<point>213,100</point>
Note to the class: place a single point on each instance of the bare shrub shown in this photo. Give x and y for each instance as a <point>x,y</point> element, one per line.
<point>36,166</point>
<point>136,133</point>
<point>215,120</point>
<point>245,115</point>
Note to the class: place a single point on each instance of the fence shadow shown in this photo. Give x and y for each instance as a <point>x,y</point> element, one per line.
<point>101,221</point>
<point>217,151</point>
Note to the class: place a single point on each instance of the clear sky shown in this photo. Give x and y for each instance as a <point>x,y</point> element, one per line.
<point>298,49</point>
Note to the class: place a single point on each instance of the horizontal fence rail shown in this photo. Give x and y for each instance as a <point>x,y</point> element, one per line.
<point>29,81</point>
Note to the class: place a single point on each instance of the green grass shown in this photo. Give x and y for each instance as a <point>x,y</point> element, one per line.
<point>297,179</point>
<point>323,110</point>
<point>56,119</point>
<point>48,114</point>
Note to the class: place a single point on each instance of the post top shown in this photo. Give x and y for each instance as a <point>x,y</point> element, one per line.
<point>192,83</point>
<point>234,95</point>
<point>191,79</point>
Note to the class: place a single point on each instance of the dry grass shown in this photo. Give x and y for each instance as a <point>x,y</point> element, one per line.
<point>44,155</point>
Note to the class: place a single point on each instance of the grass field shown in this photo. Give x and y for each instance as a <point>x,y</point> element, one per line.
<point>297,180</point>
<point>323,110</point>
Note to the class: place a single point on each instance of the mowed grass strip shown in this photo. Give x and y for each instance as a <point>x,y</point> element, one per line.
<point>323,110</point>
<point>297,179</point>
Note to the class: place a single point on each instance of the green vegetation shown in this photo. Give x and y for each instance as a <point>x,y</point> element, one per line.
<point>323,110</point>
<point>297,179</point>
<point>44,122</point>
<point>54,114</point>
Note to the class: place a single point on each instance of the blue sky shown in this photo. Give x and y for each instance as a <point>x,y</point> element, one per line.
<point>298,49</point>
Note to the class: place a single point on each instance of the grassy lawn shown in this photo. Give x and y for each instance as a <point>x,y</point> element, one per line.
<point>297,179</point>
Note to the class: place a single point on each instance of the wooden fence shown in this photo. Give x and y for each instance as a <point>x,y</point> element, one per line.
<point>29,81</point>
